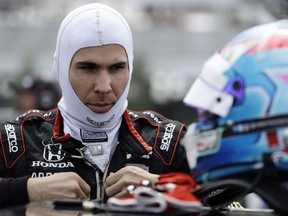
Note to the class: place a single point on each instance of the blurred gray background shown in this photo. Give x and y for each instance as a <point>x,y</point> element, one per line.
<point>172,40</point>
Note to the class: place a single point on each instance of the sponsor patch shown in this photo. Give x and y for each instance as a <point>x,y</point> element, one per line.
<point>167,137</point>
<point>12,143</point>
<point>43,164</point>
<point>40,174</point>
<point>153,117</point>
<point>90,136</point>
<point>167,141</point>
<point>53,152</point>
<point>95,149</point>
<point>11,138</point>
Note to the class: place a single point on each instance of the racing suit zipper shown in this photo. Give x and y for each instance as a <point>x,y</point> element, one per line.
<point>99,189</point>
<point>101,182</point>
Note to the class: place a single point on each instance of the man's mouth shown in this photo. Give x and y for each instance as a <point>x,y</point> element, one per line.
<point>100,107</point>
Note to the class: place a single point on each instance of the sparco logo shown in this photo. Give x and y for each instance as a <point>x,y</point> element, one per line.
<point>99,124</point>
<point>12,140</point>
<point>53,152</point>
<point>165,142</point>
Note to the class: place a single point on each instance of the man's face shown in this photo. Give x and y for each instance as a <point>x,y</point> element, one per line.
<point>99,75</point>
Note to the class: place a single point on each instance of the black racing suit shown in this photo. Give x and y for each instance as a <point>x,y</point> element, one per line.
<point>34,145</point>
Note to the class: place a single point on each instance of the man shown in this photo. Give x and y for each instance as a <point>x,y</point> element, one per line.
<point>91,146</point>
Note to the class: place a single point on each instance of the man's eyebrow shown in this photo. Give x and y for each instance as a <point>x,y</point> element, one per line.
<point>89,63</point>
<point>120,63</point>
<point>86,63</point>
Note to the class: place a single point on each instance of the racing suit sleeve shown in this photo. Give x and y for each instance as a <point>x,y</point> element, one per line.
<point>180,162</point>
<point>13,191</point>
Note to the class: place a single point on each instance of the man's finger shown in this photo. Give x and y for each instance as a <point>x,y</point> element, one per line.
<point>85,188</point>
<point>113,178</point>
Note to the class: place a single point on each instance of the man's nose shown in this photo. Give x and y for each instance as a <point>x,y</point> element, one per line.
<point>102,82</point>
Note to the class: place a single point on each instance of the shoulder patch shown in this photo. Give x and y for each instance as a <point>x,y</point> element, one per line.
<point>11,142</point>
<point>152,117</point>
<point>167,136</point>
<point>44,114</point>
<point>167,141</point>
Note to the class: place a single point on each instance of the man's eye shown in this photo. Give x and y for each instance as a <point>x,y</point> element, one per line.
<point>117,68</point>
<point>86,67</point>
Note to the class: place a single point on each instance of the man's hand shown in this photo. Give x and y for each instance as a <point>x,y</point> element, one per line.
<point>66,185</point>
<point>116,183</point>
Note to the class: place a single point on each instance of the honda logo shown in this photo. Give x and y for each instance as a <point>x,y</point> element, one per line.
<point>53,152</point>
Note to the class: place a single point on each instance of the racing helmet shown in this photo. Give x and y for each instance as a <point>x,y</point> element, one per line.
<point>241,97</point>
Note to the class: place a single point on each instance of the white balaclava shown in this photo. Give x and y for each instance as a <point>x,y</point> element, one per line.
<point>89,26</point>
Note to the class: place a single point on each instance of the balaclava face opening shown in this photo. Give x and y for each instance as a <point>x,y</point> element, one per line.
<point>87,26</point>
